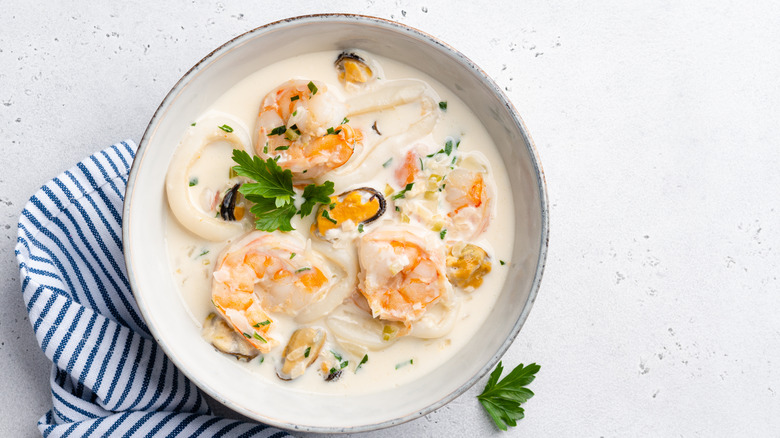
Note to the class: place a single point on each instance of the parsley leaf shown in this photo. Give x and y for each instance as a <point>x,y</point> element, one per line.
<point>402,193</point>
<point>269,216</point>
<point>312,194</point>
<point>502,399</point>
<point>272,180</point>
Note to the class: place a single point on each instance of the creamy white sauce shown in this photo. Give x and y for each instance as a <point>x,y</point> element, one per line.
<point>194,258</point>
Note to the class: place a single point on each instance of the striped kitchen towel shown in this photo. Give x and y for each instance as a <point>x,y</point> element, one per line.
<point>108,377</point>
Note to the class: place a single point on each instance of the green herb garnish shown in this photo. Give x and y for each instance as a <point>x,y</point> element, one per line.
<point>362,361</point>
<point>312,88</point>
<point>327,216</point>
<point>336,355</point>
<point>193,124</point>
<point>306,353</point>
<point>502,399</point>
<point>402,193</point>
<point>345,121</point>
<point>266,322</point>
<point>265,148</point>
<point>260,338</point>
<point>331,131</point>
<point>279,130</point>
<point>312,194</point>
<point>387,163</point>
<point>443,105</point>
<point>502,262</point>
<point>360,228</point>
<point>248,336</point>
<point>193,181</point>
<point>203,253</point>
<point>303,269</point>
<point>292,255</point>
<point>282,148</point>
<point>226,128</point>
<point>404,363</point>
<point>294,98</point>
<point>443,233</point>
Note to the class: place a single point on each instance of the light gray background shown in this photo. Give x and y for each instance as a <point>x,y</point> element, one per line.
<point>657,124</point>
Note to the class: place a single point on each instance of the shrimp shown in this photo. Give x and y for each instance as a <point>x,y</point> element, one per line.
<point>466,191</point>
<point>267,272</point>
<point>403,272</point>
<point>301,123</point>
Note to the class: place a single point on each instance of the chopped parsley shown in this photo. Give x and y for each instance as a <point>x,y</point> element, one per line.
<point>345,121</point>
<point>327,216</point>
<point>292,255</point>
<point>443,105</point>
<point>247,335</point>
<point>387,163</point>
<point>422,167</point>
<point>362,361</point>
<point>502,262</point>
<point>402,193</point>
<point>265,148</point>
<point>443,233</point>
<point>193,181</point>
<point>360,228</point>
<point>193,124</point>
<point>312,88</point>
<point>307,352</point>
<point>303,269</point>
<point>262,359</point>
<point>279,130</point>
<point>226,128</point>
<point>294,98</point>
<point>260,338</point>
<point>203,253</point>
<point>282,148</point>
<point>266,322</point>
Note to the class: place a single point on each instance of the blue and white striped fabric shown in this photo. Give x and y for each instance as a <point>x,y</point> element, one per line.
<point>109,377</point>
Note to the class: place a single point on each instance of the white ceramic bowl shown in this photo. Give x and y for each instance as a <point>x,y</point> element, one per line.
<point>145,209</point>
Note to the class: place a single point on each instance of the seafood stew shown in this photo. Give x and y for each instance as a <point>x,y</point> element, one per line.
<point>382,282</point>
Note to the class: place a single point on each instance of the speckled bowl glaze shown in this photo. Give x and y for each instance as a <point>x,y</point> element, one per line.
<point>145,210</point>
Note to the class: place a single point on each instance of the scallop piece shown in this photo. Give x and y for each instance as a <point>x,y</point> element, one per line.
<point>467,264</point>
<point>302,350</point>
<point>355,68</point>
<point>359,206</point>
<point>222,336</point>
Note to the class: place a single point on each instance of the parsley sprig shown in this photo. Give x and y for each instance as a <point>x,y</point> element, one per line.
<point>502,399</point>
<point>273,194</point>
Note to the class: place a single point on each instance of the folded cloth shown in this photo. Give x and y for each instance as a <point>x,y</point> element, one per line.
<point>108,377</point>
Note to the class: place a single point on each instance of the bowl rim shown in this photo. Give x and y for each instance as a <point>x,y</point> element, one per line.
<point>401,28</point>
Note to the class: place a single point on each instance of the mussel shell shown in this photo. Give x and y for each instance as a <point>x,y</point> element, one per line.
<point>348,55</point>
<point>227,209</point>
<point>374,194</point>
<point>301,351</point>
<point>225,339</point>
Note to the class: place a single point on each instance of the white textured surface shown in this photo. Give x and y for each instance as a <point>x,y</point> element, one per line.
<point>657,124</point>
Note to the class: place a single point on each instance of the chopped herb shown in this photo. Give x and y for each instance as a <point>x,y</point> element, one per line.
<point>502,399</point>
<point>402,193</point>
<point>203,253</point>
<point>404,363</point>
<point>282,148</point>
<point>443,233</point>
<point>333,371</point>
<point>336,355</point>
<point>376,129</point>
<point>362,361</point>
<point>443,105</point>
<point>260,338</point>
<point>193,181</point>
<point>332,206</point>
<point>306,353</point>
<point>502,262</point>
<point>247,335</point>
<point>266,322</point>
<point>397,208</point>
<point>360,228</point>
<point>294,98</point>
<point>448,146</point>
<point>303,269</point>
<point>193,124</point>
<point>422,167</point>
<point>312,88</point>
<point>226,128</point>
<point>344,364</point>
<point>345,121</point>
<point>387,163</point>
<point>327,216</point>
<point>279,130</point>
<point>265,148</point>
<point>440,151</point>
<point>305,170</point>
<point>293,133</point>
<point>292,255</point>
<point>331,131</point>
<point>295,113</point>
<point>262,359</point>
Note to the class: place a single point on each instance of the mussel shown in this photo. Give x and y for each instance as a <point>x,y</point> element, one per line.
<point>360,206</point>
<point>222,336</point>
<point>467,264</point>
<point>227,209</point>
<point>302,350</point>
<point>354,68</point>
